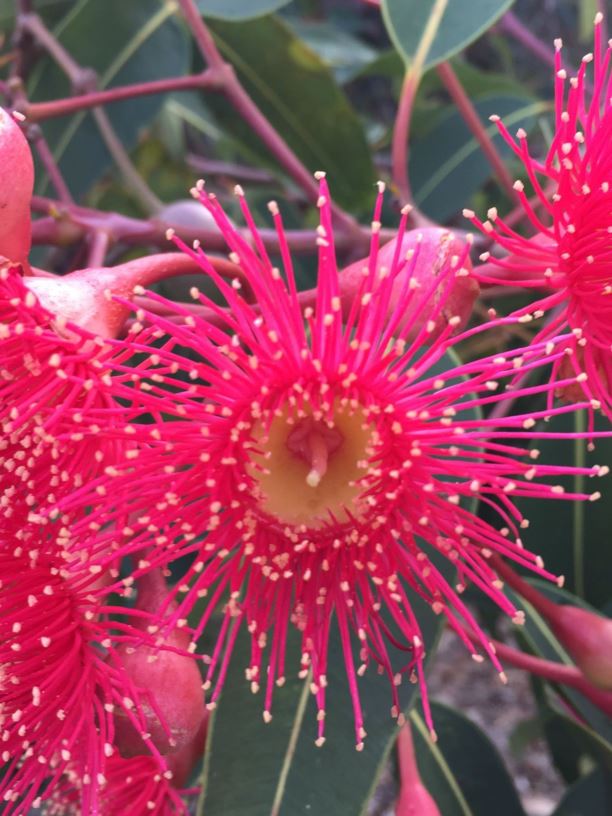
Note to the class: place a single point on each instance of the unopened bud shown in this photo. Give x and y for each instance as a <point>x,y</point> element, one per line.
<point>16,184</point>
<point>426,256</point>
<point>587,637</point>
<point>169,680</point>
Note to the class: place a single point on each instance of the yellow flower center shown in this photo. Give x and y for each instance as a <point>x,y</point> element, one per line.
<point>307,470</point>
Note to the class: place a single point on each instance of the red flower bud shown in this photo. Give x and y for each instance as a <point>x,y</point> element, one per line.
<point>588,639</point>
<point>169,683</point>
<point>431,255</point>
<point>414,798</point>
<point>182,762</point>
<point>586,636</point>
<point>16,184</point>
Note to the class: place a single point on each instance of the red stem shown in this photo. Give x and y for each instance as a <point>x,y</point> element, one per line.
<point>35,111</point>
<point>401,130</point>
<point>555,672</point>
<point>250,113</point>
<point>472,119</point>
<point>69,223</point>
<point>50,165</point>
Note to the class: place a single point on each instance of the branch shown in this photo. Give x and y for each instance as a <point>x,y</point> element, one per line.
<point>472,119</point>
<point>554,672</point>
<point>250,113</point>
<point>36,111</point>
<point>66,224</point>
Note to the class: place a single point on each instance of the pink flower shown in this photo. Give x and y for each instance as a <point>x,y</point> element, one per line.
<point>570,252</point>
<point>61,677</point>
<point>311,454</point>
<point>66,386</point>
<point>139,785</point>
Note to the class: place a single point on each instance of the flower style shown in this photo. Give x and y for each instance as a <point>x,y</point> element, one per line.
<point>61,678</point>
<point>315,461</point>
<point>570,254</point>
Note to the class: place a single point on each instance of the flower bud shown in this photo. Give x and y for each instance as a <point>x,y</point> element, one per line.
<point>182,762</point>
<point>16,184</point>
<point>426,255</point>
<point>169,683</point>
<point>588,639</point>
<point>85,297</point>
<point>414,798</point>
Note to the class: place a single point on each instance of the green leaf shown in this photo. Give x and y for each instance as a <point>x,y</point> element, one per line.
<point>437,29</point>
<point>238,9</point>
<point>591,796</point>
<point>124,43</point>
<point>446,165</point>
<point>279,768</point>
<point>575,538</point>
<point>297,93</point>
<point>462,770</point>
<point>345,54</point>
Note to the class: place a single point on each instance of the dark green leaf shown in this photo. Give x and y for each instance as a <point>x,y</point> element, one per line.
<point>412,23</point>
<point>446,165</point>
<point>591,796</point>
<point>462,770</point>
<point>125,43</point>
<point>298,95</point>
<point>238,9</point>
<point>279,768</point>
<point>575,538</point>
<point>345,54</point>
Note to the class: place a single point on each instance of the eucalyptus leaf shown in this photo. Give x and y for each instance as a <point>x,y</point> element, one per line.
<point>446,164</point>
<point>575,538</point>
<point>238,9</point>
<point>591,796</point>
<point>447,25</point>
<point>280,769</point>
<point>297,93</point>
<point>462,770</point>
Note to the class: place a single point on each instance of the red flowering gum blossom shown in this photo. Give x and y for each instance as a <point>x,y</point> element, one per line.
<point>63,376</point>
<point>57,692</point>
<point>569,256</point>
<point>429,254</point>
<point>311,454</point>
<point>168,677</point>
<point>16,184</point>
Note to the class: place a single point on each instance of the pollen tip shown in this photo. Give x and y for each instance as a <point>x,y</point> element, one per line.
<point>320,175</point>
<point>170,234</point>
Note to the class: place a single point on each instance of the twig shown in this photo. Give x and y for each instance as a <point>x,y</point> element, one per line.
<point>80,78</point>
<point>250,113</point>
<point>549,670</point>
<point>47,160</point>
<point>472,119</point>
<point>147,198</point>
<point>67,224</point>
<point>36,111</point>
